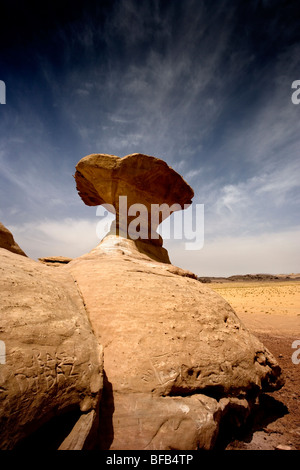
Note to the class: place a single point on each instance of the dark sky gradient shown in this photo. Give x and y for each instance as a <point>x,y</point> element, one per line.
<point>204,85</point>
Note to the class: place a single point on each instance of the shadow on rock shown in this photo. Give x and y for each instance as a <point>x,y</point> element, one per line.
<point>51,433</point>
<point>107,408</point>
<point>265,411</point>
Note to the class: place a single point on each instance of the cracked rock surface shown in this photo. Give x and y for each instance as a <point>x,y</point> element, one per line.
<point>176,356</point>
<point>53,363</point>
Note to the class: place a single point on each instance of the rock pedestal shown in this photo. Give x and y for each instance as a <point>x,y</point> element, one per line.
<point>177,359</point>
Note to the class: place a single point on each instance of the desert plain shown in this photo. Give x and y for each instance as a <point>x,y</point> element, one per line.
<point>270,308</point>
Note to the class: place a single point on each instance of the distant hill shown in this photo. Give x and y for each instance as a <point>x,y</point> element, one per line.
<point>251,277</point>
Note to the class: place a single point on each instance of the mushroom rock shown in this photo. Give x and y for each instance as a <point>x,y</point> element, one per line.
<point>51,366</point>
<point>147,183</point>
<point>7,241</point>
<point>177,358</point>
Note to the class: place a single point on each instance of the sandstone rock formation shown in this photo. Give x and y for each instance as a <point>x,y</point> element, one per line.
<point>177,359</point>
<point>55,260</point>
<point>53,362</point>
<point>143,180</point>
<point>7,241</point>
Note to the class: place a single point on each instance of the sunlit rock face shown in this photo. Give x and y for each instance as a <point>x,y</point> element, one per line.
<point>52,368</point>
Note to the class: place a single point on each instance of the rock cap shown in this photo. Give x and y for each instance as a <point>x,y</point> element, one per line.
<point>102,179</point>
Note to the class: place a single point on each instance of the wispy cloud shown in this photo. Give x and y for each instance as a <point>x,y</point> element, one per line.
<point>253,206</point>
<point>228,255</point>
<point>67,237</point>
<point>160,98</point>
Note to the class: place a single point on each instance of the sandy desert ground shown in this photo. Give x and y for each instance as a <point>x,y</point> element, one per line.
<point>271,310</point>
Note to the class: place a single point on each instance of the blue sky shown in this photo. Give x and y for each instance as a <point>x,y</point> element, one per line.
<point>204,85</point>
